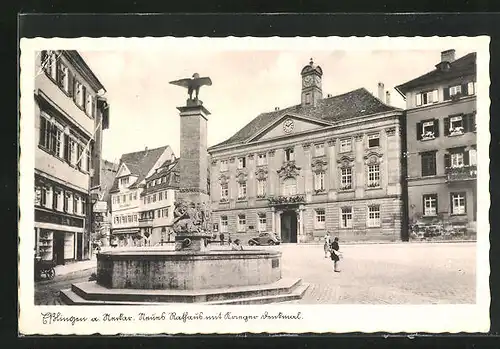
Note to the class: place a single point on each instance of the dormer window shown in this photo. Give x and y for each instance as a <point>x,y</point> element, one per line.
<point>124,181</point>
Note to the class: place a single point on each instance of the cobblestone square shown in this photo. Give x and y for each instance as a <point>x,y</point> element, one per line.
<point>413,273</point>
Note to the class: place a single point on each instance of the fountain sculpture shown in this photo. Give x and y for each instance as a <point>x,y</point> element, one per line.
<point>192,272</point>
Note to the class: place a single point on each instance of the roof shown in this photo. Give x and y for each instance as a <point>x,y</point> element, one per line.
<point>140,163</point>
<point>170,170</point>
<point>331,110</point>
<point>108,173</point>
<point>84,69</point>
<point>463,66</point>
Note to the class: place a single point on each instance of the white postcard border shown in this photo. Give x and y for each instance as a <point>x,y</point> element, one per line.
<point>312,318</point>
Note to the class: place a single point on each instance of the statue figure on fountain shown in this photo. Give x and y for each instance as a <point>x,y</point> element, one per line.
<point>192,218</point>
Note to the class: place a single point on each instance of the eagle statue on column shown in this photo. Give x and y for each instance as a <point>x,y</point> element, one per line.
<point>193,84</point>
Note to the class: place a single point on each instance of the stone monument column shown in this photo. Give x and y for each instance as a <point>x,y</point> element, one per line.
<point>192,222</point>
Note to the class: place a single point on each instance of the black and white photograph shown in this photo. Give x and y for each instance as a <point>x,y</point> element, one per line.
<point>219,184</point>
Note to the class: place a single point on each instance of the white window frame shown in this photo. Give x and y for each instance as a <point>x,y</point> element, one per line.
<point>371,137</point>
<point>58,196</point>
<point>289,186</point>
<point>345,145</point>
<point>79,93</point>
<point>457,160</point>
<point>456,122</point>
<point>261,159</point>
<point>472,157</point>
<point>262,222</point>
<point>373,219</point>
<point>289,154</point>
<point>319,149</point>
<point>88,104</point>
<point>430,96</point>
<point>242,222</point>
<point>242,190</point>
<point>428,129</point>
<point>319,218</point>
<point>346,217</point>
<point>374,175</point>
<point>261,187</point>
<point>241,163</point>
<point>223,166</point>
<point>430,205</point>
<point>53,65</point>
<point>319,181</point>
<point>458,203</point>
<point>223,224</point>
<point>346,178</point>
<point>224,190</point>
<point>455,90</point>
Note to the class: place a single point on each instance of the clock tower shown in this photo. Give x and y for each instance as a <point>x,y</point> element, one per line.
<point>311,84</point>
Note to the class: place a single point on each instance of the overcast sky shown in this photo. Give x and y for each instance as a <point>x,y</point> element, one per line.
<point>143,103</point>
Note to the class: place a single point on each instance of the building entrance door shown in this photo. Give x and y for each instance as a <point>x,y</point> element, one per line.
<point>289,226</point>
<point>79,246</point>
<point>59,248</point>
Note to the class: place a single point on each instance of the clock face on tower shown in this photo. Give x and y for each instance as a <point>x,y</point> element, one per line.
<point>308,80</point>
<point>288,126</point>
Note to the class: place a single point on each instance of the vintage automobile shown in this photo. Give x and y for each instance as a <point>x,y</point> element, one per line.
<point>265,238</point>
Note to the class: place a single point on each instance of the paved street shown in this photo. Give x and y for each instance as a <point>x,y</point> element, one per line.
<point>386,274</point>
<point>426,273</point>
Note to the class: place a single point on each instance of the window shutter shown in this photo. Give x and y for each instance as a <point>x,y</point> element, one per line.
<point>423,204</point>
<point>473,122</point>
<point>436,128</point>
<point>446,126</point>
<point>58,73</point>
<point>435,97</point>
<point>447,161</point>
<point>66,147</point>
<point>465,201</point>
<point>418,99</point>
<point>451,203</point>
<point>437,204</point>
<point>446,93</point>
<point>43,60</point>
<point>465,90</point>
<point>470,88</point>
<point>93,107</point>
<point>419,131</point>
<point>466,158</point>
<point>43,127</point>
<point>74,89</point>
<point>84,98</point>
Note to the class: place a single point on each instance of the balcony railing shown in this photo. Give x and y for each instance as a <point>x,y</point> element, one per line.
<point>463,173</point>
<point>145,222</point>
<point>284,200</point>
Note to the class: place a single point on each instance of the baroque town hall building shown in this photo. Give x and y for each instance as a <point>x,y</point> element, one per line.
<point>326,164</point>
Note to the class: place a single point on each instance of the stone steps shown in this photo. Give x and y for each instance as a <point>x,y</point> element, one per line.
<point>87,293</point>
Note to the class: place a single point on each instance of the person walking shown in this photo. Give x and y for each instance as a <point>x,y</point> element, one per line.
<point>221,238</point>
<point>326,246</point>
<point>335,254</point>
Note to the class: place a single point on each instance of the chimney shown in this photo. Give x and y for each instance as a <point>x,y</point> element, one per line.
<point>329,95</point>
<point>448,56</point>
<point>387,98</point>
<point>381,91</point>
<point>277,108</point>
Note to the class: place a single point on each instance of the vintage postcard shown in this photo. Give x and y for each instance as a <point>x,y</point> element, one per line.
<point>262,185</point>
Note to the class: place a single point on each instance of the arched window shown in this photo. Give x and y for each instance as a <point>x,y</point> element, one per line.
<point>289,186</point>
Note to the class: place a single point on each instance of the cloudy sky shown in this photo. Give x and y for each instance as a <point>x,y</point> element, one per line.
<point>143,103</point>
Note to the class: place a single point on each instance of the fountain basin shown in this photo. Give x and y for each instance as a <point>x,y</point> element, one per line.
<point>187,270</point>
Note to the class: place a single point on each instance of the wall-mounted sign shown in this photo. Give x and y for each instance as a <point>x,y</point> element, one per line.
<point>101,206</point>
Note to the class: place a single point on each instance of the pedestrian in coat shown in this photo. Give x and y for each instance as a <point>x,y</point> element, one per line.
<point>335,254</point>
<point>326,246</point>
<point>221,238</point>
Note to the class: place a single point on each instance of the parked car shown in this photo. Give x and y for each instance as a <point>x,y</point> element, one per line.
<point>265,238</point>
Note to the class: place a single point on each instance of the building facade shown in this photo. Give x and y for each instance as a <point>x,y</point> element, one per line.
<point>69,112</point>
<point>126,193</point>
<point>326,164</point>
<point>158,198</point>
<point>441,143</point>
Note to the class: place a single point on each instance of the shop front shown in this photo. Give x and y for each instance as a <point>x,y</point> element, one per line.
<point>61,243</point>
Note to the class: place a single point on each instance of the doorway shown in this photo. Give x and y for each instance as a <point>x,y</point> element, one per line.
<point>59,248</point>
<point>289,226</point>
<point>79,246</point>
